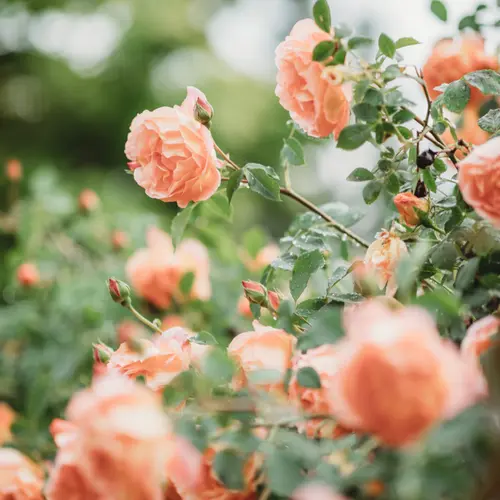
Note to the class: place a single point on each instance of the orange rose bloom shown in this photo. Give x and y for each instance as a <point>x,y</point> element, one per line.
<point>316,401</point>
<point>155,272</point>
<point>263,258</point>
<point>397,377</point>
<point>406,204</point>
<point>479,337</point>
<point>452,59</point>
<point>264,349</point>
<point>88,201</point>
<point>118,446</point>
<point>119,240</point>
<point>28,275</point>
<point>20,478</point>
<point>14,170</point>
<point>172,320</point>
<point>315,102</point>
<point>172,155</point>
<point>382,258</point>
<point>128,329</point>
<point>7,417</point>
<point>479,180</point>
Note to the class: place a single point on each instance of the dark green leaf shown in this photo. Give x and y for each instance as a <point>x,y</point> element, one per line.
<point>403,116</point>
<point>490,121</point>
<point>353,136</point>
<point>440,166</point>
<point>339,57</point>
<point>358,41</point>
<point>308,378</point>
<point>263,180</point>
<point>412,155</point>
<point>429,180</point>
<point>365,112</point>
<point>326,328</point>
<point>360,90</point>
<point>228,467</point>
<point>469,22</point>
<point>284,474</point>
<point>374,97</point>
<point>444,255</point>
<point>386,45</point>
<point>392,183</point>
<point>179,224</point>
<point>186,283</point>
<point>371,192</point>
<point>217,206</point>
<point>467,273</point>
<point>292,152</point>
<point>217,366</point>
<point>438,8</point>
<point>486,80</point>
<point>456,96</point>
<point>360,175</point>
<point>339,274</point>
<point>307,264</point>
<point>322,15</point>
<point>406,42</point>
<point>233,184</point>
<point>323,50</point>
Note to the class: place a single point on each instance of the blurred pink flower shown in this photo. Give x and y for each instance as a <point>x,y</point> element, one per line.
<point>20,478</point>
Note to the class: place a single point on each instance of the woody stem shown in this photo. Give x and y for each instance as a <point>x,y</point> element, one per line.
<point>142,319</point>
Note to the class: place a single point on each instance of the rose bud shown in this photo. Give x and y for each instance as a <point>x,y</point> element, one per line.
<point>14,170</point>
<point>256,293</point>
<point>119,240</point>
<point>406,204</point>
<point>203,112</point>
<point>101,352</point>
<point>28,275</point>
<point>119,291</point>
<point>88,201</point>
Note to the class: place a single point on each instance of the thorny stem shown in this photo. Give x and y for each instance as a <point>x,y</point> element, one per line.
<point>226,158</point>
<point>313,208</point>
<point>142,319</point>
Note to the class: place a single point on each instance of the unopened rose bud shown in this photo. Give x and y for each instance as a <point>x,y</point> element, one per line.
<point>203,112</point>
<point>14,170</point>
<point>28,275</point>
<point>274,301</point>
<point>256,293</point>
<point>406,203</point>
<point>101,352</point>
<point>119,291</point>
<point>365,282</point>
<point>119,240</point>
<point>88,201</point>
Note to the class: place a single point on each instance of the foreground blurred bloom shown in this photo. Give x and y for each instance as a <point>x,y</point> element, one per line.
<point>316,401</point>
<point>127,330</point>
<point>172,154</point>
<point>452,59</point>
<point>315,491</point>
<point>13,170</point>
<point>480,337</point>
<point>28,275</point>
<point>156,271</point>
<point>88,201</point>
<point>382,258</point>
<point>7,417</point>
<point>398,377</point>
<point>244,307</point>
<point>406,204</point>
<point>263,258</point>
<point>479,180</point>
<point>172,320</point>
<point>266,349</point>
<point>119,445</point>
<point>315,102</point>
<point>20,478</point>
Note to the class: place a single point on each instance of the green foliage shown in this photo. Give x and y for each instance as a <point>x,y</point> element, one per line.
<point>322,15</point>
<point>438,8</point>
<point>263,180</point>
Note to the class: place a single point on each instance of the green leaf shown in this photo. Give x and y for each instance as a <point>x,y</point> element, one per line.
<point>284,474</point>
<point>456,96</point>
<point>179,223</point>
<point>438,8</point>
<point>392,183</point>
<point>338,275</point>
<point>346,215</point>
<point>360,175</point>
<point>406,42</point>
<point>307,264</point>
<point>440,301</point>
<point>326,328</point>
<point>360,90</point>
<point>469,22</point>
<point>292,152</point>
<point>440,166</point>
<point>308,377</point>
<point>358,41</point>
<point>339,57</point>
<point>353,136</point>
<point>217,366</point>
<point>444,255</point>
<point>365,112</point>
<point>342,31</point>
<point>490,121</point>
<point>322,15</point>
<point>403,116</point>
<point>217,206</point>
<point>228,467</point>
<point>467,273</point>
<point>486,80</point>
<point>323,50</point>
<point>412,155</point>
<point>386,45</point>
<point>429,180</point>
<point>371,192</point>
<point>186,283</point>
<point>263,180</point>
<point>374,97</point>
<point>204,338</point>
<point>233,184</point>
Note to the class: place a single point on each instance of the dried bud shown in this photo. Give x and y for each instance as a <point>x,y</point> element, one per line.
<point>420,190</point>
<point>406,203</point>
<point>426,159</point>
<point>28,275</point>
<point>14,170</point>
<point>203,112</point>
<point>88,201</point>
<point>101,352</point>
<point>256,293</point>
<point>119,240</point>
<point>119,291</point>
<point>334,74</point>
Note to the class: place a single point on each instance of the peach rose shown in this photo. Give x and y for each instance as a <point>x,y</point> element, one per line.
<point>244,307</point>
<point>316,401</point>
<point>172,155</point>
<point>480,337</point>
<point>28,275</point>
<point>88,201</point>
<point>265,348</point>
<point>128,329</point>
<point>452,59</point>
<point>315,491</point>
<point>155,272</point>
<point>479,180</point>
<point>382,259</point>
<point>119,240</point>
<point>13,170</point>
<point>118,445</point>
<point>20,478</point>
<point>172,320</point>
<point>263,258</point>
<point>406,204</point>
<point>398,378</point>
<point>315,102</point>
<point>7,417</point>
<point>208,486</point>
